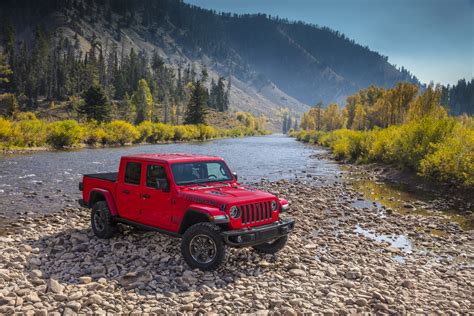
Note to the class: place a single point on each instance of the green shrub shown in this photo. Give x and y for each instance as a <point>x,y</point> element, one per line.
<point>145,130</point>
<point>452,160</point>
<point>417,139</point>
<point>94,133</point>
<point>179,132</point>
<point>64,133</point>
<point>120,132</point>
<point>382,144</point>
<point>5,130</point>
<point>439,148</point>
<point>25,116</point>
<point>163,132</point>
<point>206,132</point>
<point>29,133</point>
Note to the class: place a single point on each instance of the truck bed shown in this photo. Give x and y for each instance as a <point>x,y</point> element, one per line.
<point>108,176</point>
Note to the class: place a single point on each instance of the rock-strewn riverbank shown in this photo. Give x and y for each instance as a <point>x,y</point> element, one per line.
<point>53,264</point>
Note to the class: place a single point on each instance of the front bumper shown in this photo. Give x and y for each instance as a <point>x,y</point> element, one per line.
<point>258,235</point>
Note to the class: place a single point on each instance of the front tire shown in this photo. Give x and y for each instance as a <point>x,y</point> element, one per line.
<point>101,221</point>
<point>202,246</point>
<point>273,246</point>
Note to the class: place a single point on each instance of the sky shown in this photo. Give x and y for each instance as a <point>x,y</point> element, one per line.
<point>433,39</point>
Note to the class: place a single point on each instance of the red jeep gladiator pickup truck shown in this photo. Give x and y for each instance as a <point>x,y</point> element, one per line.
<point>189,196</point>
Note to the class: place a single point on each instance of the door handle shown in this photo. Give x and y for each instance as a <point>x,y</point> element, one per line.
<point>126,191</point>
<point>146,196</point>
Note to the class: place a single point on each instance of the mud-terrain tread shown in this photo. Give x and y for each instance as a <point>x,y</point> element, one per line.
<point>211,230</point>
<point>110,227</point>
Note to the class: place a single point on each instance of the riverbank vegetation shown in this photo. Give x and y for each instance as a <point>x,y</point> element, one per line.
<point>26,131</point>
<point>398,126</point>
<point>55,96</point>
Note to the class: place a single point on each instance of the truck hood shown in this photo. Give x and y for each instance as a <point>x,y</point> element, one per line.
<point>221,194</point>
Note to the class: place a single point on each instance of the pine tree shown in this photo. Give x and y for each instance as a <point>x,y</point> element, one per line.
<point>196,111</point>
<point>143,101</point>
<point>127,109</point>
<point>5,71</point>
<point>96,105</point>
<point>227,96</point>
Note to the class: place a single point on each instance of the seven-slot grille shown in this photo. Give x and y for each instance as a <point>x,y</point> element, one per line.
<point>256,212</point>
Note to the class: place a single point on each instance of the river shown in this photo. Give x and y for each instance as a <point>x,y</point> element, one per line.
<point>47,181</point>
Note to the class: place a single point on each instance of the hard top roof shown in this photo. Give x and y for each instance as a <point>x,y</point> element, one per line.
<point>172,157</point>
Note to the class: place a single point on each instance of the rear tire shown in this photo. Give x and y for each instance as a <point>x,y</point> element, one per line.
<point>102,222</point>
<point>272,247</point>
<point>202,246</point>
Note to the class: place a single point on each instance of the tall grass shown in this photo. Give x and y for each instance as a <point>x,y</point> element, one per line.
<point>26,131</point>
<point>441,149</point>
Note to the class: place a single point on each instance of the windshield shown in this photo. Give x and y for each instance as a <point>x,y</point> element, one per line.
<point>200,172</point>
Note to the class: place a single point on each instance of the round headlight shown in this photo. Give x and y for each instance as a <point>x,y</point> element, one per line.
<point>234,212</point>
<point>274,205</point>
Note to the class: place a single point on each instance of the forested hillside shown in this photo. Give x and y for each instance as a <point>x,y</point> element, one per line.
<point>459,98</point>
<point>56,49</point>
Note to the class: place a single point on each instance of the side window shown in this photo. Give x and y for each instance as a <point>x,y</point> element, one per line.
<point>133,172</point>
<point>154,172</point>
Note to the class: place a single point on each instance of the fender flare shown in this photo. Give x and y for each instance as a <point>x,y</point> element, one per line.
<point>212,214</point>
<point>209,211</point>
<point>108,198</point>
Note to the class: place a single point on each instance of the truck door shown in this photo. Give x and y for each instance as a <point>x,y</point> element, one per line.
<point>155,202</point>
<point>128,191</point>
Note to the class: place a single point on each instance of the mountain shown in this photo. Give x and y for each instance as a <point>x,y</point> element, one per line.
<point>273,63</point>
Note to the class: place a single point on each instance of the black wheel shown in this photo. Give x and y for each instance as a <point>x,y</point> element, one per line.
<point>273,246</point>
<point>101,221</point>
<point>202,246</point>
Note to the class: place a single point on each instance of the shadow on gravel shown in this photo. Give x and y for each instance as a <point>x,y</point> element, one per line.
<point>134,259</point>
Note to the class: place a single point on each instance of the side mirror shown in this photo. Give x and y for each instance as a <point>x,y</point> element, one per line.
<point>162,184</point>
<point>235,175</point>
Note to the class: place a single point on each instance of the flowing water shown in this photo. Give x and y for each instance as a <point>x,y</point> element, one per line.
<point>45,182</point>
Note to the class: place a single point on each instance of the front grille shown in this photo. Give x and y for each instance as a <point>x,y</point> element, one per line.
<point>256,212</point>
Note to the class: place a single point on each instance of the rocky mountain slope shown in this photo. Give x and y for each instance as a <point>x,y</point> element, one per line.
<point>272,63</point>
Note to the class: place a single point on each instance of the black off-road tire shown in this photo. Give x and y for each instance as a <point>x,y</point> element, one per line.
<point>272,247</point>
<point>101,221</point>
<point>203,231</point>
